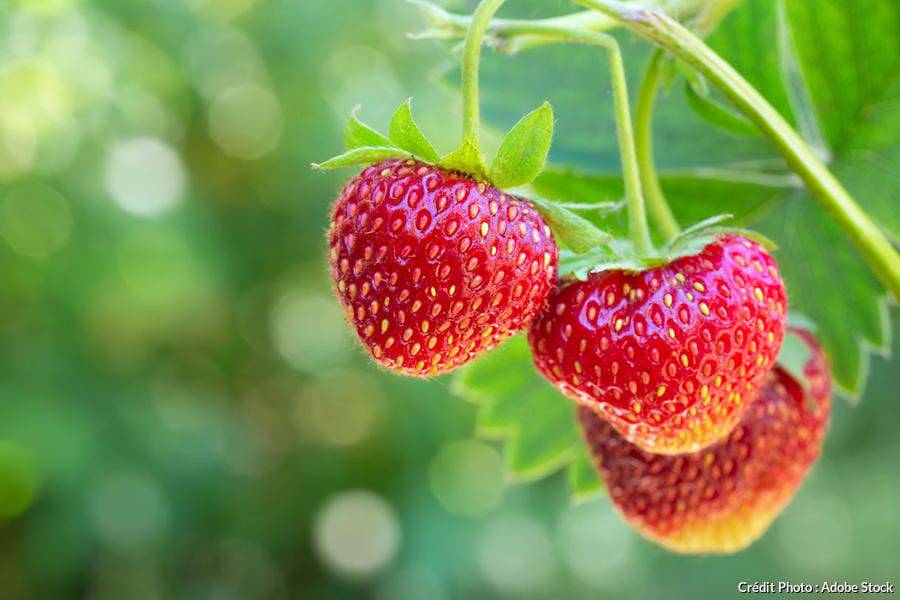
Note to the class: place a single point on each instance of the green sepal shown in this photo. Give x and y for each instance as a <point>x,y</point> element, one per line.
<point>359,135</point>
<point>466,159</point>
<point>718,115</point>
<point>574,231</point>
<point>751,234</point>
<point>361,156</point>
<point>601,207</point>
<point>693,239</point>
<point>700,227</point>
<point>404,133</point>
<point>524,149</point>
<point>620,254</point>
<point>696,244</point>
<point>601,258</point>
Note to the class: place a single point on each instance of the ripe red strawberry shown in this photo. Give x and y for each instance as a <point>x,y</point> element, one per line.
<point>433,267</point>
<point>671,356</point>
<point>724,497</point>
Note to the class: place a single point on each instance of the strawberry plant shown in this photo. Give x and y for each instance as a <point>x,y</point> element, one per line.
<point>648,299</point>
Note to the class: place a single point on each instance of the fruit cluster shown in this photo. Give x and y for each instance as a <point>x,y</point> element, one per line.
<point>700,428</point>
<point>700,436</point>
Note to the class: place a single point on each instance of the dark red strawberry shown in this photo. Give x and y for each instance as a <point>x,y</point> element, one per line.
<point>671,356</point>
<point>724,497</point>
<point>434,267</point>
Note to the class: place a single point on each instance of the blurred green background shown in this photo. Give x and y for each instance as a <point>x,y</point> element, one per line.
<point>183,412</point>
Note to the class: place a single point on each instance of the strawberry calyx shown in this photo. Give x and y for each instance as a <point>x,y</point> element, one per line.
<point>620,254</point>
<point>519,160</point>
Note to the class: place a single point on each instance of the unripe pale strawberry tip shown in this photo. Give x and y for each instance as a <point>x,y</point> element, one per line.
<point>721,499</point>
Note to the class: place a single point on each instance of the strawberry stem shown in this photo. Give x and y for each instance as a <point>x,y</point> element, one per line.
<point>643,129</point>
<point>469,153</point>
<point>638,230</point>
<point>544,32</point>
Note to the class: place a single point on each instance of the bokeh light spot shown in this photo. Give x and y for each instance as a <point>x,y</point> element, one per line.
<point>586,533</point>
<point>355,72</point>
<point>515,554</point>
<point>145,176</point>
<point>339,408</point>
<point>308,330</point>
<point>35,220</point>
<point>45,7</point>
<point>246,121</point>
<point>129,511</point>
<point>467,477</point>
<point>221,58</point>
<point>356,534</point>
<point>221,10</point>
<point>18,480</point>
<point>33,91</point>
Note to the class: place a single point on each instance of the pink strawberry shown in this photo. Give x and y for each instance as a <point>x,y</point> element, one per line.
<point>722,498</point>
<point>671,356</point>
<point>434,267</point>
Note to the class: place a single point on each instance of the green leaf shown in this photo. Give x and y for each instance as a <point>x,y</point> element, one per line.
<point>404,133</point>
<point>794,355</point>
<point>747,39</point>
<point>701,226</point>
<point>361,156</point>
<point>517,405</point>
<point>849,55</point>
<point>573,230</point>
<point>603,258</point>
<point>849,58</point>
<point>523,151</point>
<point>600,207</point>
<point>694,194</point>
<point>576,82</point>
<point>716,114</point>
<point>357,134</point>
<point>584,480</point>
<point>828,281</point>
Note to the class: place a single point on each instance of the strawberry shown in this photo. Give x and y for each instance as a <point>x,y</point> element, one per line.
<point>671,356</point>
<point>724,497</point>
<point>434,267</point>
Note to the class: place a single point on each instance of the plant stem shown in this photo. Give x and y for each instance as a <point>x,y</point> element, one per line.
<point>825,188</point>
<point>643,129</point>
<point>637,216</point>
<point>445,23</point>
<point>639,232</point>
<point>470,59</point>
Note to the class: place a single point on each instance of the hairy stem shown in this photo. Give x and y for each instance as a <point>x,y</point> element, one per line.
<point>638,230</point>
<point>825,188</point>
<point>643,129</point>
<point>470,59</point>
<point>447,24</point>
<point>637,216</point>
